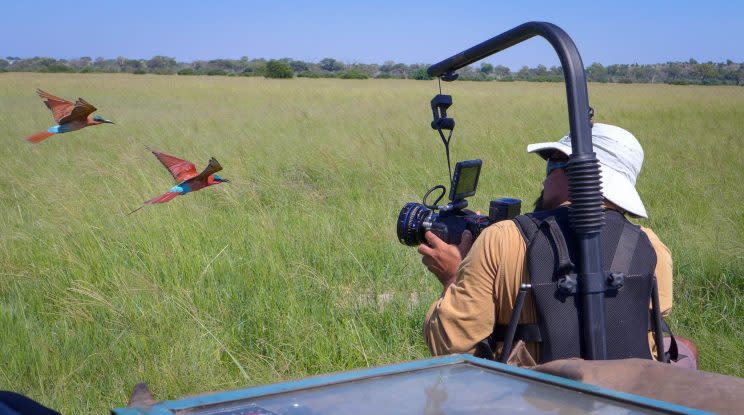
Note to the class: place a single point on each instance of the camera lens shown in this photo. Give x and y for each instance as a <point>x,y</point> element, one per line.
<point>410,223</point>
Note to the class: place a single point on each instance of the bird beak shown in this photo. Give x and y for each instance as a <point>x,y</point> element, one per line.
<point>225,180</point>
<point>108,122</point>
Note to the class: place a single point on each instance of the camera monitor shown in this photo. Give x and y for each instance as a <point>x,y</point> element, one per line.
<point>465,179</point>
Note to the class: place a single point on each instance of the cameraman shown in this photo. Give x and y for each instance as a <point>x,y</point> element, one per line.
<point>481,279</point>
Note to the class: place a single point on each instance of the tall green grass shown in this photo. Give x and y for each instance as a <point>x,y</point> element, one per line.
<point>293,268</point>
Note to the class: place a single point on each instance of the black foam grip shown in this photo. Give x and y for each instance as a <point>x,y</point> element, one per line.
<point>584,187</point>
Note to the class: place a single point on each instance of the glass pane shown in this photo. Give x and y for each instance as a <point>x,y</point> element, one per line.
<point>453,389</point>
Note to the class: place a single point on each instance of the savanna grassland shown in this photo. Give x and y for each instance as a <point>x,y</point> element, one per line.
<point>294,268</point>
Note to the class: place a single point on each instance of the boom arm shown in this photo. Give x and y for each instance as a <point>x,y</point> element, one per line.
<point>586,213</point>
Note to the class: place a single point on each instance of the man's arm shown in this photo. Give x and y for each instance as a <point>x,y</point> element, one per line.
<point>465,313</point>
<point>443,259</point>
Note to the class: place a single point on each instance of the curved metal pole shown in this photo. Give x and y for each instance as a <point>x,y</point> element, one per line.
<point>586,213</point>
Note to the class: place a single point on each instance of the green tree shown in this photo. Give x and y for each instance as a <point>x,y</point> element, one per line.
<point>277,69</point>
<point>330,65</point>
<point>256,67</point>
<point>57,67</point>
<point>368,69</point>
<point>524,73</point>
<point>299,66</point>
<point>161,65</point>
<point>486,68</point>
<point>706,71</point>
<point>421,75</point>
<point>354,74</point>
<point>673,71</point>
<point>393,70</point>
<point>597,72</point>
<point>469,73</point>
<point>541,70</point>
<point>730,72</point>
<point>501,71</point>
<point>216,72</point>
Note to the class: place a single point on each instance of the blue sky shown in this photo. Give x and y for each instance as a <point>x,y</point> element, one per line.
<point>370,32</point>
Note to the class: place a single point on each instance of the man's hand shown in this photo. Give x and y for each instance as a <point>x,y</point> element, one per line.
<point>442,259</point>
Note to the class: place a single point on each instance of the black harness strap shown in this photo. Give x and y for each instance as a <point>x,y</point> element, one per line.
<point>565,266</point>
<point>671,355</point>
<point>528,332</point>
<point>527,227</point>
<point>625,248</point>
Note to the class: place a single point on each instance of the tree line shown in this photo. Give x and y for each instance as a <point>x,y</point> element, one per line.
<point>689,72</point>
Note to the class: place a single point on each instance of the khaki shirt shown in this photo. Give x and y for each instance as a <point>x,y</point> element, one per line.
<point>487,285</point>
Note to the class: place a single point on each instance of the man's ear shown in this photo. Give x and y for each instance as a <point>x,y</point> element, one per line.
<point>538,205</point>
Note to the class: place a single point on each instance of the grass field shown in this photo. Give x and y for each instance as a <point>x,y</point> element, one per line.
<point>293,268</point>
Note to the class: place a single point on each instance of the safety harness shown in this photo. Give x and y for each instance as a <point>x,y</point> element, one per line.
<point>629,261</point>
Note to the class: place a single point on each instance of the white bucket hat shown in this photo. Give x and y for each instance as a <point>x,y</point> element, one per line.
<point>620,158</point>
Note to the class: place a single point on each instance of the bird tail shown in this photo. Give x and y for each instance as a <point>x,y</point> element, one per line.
<point>136,210</point>
<point>166,197</point>
<point>39,137</point>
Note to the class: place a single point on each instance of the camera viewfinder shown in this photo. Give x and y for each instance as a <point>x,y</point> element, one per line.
<point>465,179</point>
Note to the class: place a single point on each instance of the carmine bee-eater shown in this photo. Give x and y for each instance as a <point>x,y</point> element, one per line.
<point>187,179</point>
<point>69,116</point>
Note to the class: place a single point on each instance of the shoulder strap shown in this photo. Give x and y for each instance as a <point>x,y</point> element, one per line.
<point>625,249</point>
<point>527,227</point>
<point>565,265</point>
<point>671,355</point>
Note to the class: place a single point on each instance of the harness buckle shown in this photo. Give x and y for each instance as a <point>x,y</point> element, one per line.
<point>567,285</point>
<point>616,280</point>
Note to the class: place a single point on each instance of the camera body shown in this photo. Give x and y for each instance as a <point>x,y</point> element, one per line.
<point>448,222</point>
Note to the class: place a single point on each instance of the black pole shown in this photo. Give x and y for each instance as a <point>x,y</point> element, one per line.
<point>511,329</point>
<point>586,213</point>
<point>658,335</point>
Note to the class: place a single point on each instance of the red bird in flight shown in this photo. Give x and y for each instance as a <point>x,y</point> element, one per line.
<point>187,179</point>
<point>69,116</point>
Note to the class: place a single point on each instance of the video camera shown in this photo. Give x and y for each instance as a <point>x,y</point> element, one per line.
<point>448,222</point>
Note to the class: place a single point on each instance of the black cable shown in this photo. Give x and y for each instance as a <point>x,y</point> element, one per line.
<point>428,192</point>
<point>446,142</point>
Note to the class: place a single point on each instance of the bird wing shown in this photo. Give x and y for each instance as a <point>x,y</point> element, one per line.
<point>181,170</point>
<point>60,107</point>
<point>212,168</point>
<point>80,111</point>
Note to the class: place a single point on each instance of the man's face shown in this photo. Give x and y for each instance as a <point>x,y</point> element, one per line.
<point>555,185</point>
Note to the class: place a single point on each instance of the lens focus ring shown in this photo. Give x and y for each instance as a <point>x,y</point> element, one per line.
<point>410,222</point>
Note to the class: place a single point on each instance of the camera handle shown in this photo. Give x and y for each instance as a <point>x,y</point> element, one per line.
<point>454,205</point>
<point>439,105</point>
<point>458,204</point>
<point>434,205</point>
